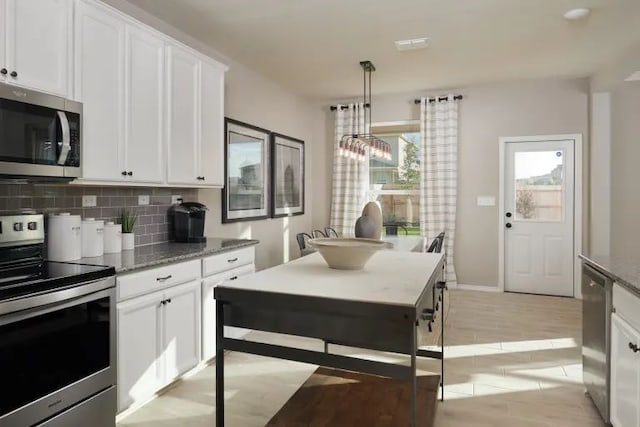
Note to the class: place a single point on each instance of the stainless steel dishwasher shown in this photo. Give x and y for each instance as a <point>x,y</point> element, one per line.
<point>596,331</point>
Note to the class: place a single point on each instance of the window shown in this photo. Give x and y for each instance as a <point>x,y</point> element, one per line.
<point>395,182</point>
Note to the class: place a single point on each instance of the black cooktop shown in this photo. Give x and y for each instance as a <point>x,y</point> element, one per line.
<point>34,276</point>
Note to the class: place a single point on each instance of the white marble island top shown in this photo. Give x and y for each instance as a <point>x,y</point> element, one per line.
<point>390,277</point>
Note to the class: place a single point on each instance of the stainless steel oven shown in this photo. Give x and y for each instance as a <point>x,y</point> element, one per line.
<point>57,334</point>
<point>57,351</point>
<point>40,135</point>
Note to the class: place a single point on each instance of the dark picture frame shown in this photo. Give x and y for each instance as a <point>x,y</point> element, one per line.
<point>247,172</point>
<point>287,176</point>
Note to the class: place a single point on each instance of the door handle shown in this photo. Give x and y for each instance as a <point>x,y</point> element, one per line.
<point>634,347</point>
<point>508,225</point>
<point>65,144</point>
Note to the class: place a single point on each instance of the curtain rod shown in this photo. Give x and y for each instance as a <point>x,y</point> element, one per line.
<point>440,98</point>
<point>344,107</point>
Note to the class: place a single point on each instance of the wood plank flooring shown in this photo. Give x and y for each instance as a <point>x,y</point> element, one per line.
<point>511,360</point>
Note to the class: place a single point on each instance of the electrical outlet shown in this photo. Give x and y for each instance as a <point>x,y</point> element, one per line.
<point>88,201</point>
<point>175,199</point>
<point>143,199</point>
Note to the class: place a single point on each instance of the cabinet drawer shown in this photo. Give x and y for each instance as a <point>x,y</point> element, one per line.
<point>627,305</point>
<point>227,261</point>
<point>143,282</point>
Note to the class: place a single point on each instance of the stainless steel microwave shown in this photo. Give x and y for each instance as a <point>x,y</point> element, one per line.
<point>40,135</point>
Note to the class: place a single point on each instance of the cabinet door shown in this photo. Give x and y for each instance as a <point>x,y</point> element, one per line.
<point>38,36</point>
<point>625,374</point>
<point>99,59</point>
<point>209,310</point>
<point>212,124</point>
<point>144,97</point>
<point>3,34</point>
<point>183,112</point>
<point>181,341</point>
<point>140,370</point>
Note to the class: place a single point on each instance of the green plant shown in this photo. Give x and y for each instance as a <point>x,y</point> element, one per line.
<point>128,220</point>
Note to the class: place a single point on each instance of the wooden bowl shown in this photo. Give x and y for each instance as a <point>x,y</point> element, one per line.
<point>347,253</point>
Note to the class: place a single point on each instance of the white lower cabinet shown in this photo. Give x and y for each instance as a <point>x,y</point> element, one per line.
<point>625,374</point>
<point>158,340</point>
<point>209,309</point>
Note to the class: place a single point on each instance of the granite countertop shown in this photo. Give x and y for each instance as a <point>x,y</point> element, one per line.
<point>166,253</point>
<point>624,270</point>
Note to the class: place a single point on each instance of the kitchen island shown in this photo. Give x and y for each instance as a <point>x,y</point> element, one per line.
<point>378,308</point>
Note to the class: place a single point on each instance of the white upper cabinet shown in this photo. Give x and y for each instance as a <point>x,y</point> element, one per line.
<point>183,110</point>
<point>37,49</point>
<point>144,82</point>
<point>212,124</point>
<point>99,64</point>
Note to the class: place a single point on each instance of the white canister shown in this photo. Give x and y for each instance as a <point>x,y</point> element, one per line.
<point>92,237</point>
<point>112,238</point>
<point>64,237</point>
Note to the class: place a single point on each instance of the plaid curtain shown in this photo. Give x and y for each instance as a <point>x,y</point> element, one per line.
<point>438,184</point>
<point>350,171</point>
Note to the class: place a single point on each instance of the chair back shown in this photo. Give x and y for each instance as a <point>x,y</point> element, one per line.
<point>302,240</point>
<point>436,244</point>
<point>317,234</point>
<point>330,232</point>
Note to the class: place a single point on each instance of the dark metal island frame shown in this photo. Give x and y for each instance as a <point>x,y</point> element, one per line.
<point>378,308</point>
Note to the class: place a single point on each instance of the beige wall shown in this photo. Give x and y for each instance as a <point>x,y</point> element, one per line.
<point>524,108</point>
<point>256,100</point>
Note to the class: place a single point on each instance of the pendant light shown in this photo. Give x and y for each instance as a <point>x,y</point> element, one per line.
<point>359,144</point>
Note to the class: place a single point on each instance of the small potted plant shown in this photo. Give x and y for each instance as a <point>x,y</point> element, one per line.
<point>390,225</point>
<point>128,221</point>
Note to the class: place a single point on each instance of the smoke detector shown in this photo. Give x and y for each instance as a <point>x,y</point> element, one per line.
<point>412,44</point>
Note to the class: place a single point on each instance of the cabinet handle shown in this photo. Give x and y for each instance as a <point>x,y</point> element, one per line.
<point>168,300</point>
<point>233,278</point>
<point>3,71</point>
<point>162,279</point>
<point>232,260</point>
<point>634,347</point>
<point>163,302</point>
<point>130,173</point>
<point>14,74</point>
<point>123,173</point>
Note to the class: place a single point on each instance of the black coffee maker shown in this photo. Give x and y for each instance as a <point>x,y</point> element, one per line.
<point>188,221</point>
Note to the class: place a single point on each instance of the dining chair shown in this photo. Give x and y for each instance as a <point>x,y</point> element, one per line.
<point>317,234</point>
<point>436,244</point>
<point>330,232</point>
<point>302,240</point>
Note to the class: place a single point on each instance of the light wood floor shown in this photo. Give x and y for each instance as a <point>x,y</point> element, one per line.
<point>510,360</point>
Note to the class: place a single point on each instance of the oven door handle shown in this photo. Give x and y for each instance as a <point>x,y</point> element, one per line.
<point>38,302</point>
<point>65,144</point>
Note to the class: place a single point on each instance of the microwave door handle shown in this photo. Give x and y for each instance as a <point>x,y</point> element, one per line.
<point>65,145</point>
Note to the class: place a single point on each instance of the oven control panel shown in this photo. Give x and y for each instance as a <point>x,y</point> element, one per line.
<point>21,229</point>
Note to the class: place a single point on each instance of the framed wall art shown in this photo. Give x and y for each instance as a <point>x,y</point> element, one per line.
<point>287,176</point>
<point>246,192</point>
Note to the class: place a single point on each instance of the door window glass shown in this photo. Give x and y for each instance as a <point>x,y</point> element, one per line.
<point>539,185</point>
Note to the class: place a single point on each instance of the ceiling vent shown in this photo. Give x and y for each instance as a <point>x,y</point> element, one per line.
<point>634,77</point>
<point>412,44</point>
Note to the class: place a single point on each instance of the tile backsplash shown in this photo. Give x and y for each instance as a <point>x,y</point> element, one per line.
<point>153,225</point>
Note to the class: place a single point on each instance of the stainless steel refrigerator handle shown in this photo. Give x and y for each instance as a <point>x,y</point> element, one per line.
<point>66,138</point>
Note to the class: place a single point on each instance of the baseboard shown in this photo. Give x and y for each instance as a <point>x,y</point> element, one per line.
<point>482,288</point>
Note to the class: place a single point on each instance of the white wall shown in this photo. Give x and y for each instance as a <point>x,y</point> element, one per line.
<point>254,99</point>
<point>487,112</point>
<point>600,179</point>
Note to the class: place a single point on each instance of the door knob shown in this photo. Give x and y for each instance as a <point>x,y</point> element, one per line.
<point>508,214</point>
<point>508,225</point>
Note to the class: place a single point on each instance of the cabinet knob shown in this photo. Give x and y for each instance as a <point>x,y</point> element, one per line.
<point>168,300</point>
<point>634,347</point>
<point>123,173</point>
<point>130,173</point>
<point>3,71</point>
<point>14,74</point>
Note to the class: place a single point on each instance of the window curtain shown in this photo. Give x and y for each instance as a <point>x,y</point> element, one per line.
<point>438,183</point>
<point>350,170</point>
